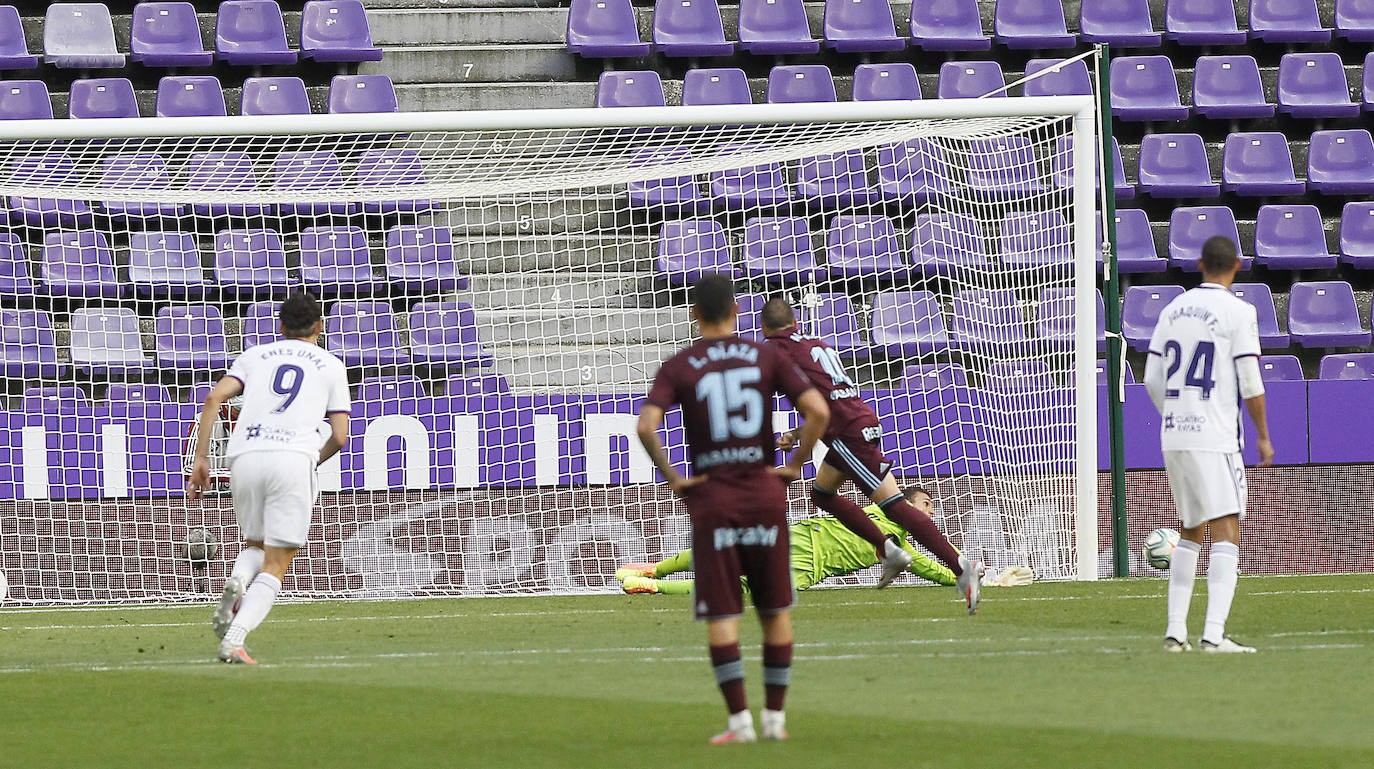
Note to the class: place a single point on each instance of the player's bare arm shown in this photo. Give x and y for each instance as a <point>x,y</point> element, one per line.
<point>650,418</point>
<point>1256,407</point>
<point>224,389</point>
<point>788,440</point>
<point>815,417</point>
<point>338,436</point>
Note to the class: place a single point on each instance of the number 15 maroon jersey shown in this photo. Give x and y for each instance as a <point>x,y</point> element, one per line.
<point>822,367</point>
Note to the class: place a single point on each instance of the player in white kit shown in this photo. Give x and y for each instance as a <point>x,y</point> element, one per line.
<point>1204,360</point>
<point>289,386</point>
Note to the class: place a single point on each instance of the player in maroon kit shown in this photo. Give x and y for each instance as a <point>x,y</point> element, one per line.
<point>736,499</point>
<point>854,454</point>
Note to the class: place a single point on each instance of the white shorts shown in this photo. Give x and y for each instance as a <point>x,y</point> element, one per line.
<point>274,493</point>
<point>1206,485</point>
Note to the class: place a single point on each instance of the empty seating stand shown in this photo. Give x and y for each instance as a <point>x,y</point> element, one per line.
<point>107,341</point>
<point>637,88</point>
<point>970,80</point>
<point>146,171</point>
<point>1312,85</point>
<point>190,96</point>
<point>604,28</point>
<point>1135,244</point>
<point>362,93</point>
<point>860,26</point>
<point>79,264</point>
<point>1032,24</point>
<point>1229,87</point>
<point>167,35</point>
<point>1202,23</point>
<point>1357,235</point>
<point>336,261</point>
<point>715,86</point>
<point>191,339</point>
<point>251,33</point>
<point>364,334</point>
<point>1120,23</point>
<point>864,247</point>
<point>251,262</point>
<point>885,82</point>
<point>337,31</point>
<point>690,248</point>
<point>908,323</point>
<point>1341,162</point>
<point>948,244</point>
<point>1287,21</point>
<point>1191,226</point>
<point>1323,314</point>
<point>775,27</point>
<point>800,83</point>
<point>444,335</point>
<point>778,249</point>
<point>1144,88</point>
<point>1347,366</point>
<point>28,346</point>
<point>1140,309</point>
<point>1355,20</point>
<point>14,50</point>
<point>1280,368</point>
<point>25,100</point>
<point>421,258</point>
<point>1053,77</point>
<point>1291,237</point>
<point>1175,166</point>
<point>689,28</point>
<point>274,96</point>
<point>948,25</point>
<point>1259,296</point>
<point>80,36</point>
<point>166,264</point>
<point>1258,164</point>
<point>111,97</point>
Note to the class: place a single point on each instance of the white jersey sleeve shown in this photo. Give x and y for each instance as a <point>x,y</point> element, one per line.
<point>288,388</point>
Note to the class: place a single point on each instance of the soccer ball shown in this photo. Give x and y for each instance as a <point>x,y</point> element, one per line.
<point>1159,547</point>
<point>201,546</point>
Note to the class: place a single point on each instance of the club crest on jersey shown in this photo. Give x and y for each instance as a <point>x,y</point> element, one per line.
<point>723,351</point>
<point>765,536</point>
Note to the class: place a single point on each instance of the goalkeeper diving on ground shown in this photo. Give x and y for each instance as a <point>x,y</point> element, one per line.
<point>822,547</point>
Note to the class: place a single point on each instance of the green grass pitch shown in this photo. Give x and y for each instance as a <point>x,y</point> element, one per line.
<point>1051,675</point>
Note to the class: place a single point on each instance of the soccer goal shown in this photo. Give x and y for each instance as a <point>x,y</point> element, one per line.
<point>502,287</point>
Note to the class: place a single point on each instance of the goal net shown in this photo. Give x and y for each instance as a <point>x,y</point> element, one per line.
<point>502,288</point>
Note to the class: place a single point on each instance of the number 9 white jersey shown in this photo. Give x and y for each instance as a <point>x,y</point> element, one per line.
<point>288,387</point>
<point>1199,337</point>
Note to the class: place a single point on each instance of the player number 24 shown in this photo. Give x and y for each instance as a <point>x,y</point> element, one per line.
<point>724,394</point>
<point>1199,372</point>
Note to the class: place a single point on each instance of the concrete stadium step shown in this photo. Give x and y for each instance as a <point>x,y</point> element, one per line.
<point>495,62</point>
<point>536,290</point>
<point>433,26</point>
<point>424,97</point>
<point>588,326</point>
<point>584,214</point>
<point>615,368</point>
<point>521,254</point>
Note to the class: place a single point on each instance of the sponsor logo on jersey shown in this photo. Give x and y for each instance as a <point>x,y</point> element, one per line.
<point>257,432</point>
<point>872,433</point>
<point>731,455</point>
<point>723,351</point>
<point>765,536</point>
<point>1185,423</point>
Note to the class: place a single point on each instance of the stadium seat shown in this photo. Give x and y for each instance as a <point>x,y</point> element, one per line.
<point>148,172</point>
<point>1202,23</point>
<point>361,93</point>
<point>364,334</point>
<point>1280,368</point>
<point>462,385</point>
<point>122,398</point>
<point>106,341</point>
<point>715,86</point>
<point>55,170</point>
<point>1120,23</point>
<point>933,376</point>
<point>912,172</point>
<point>1355,20</point>
<point>1003,167</point>
<point>604,28</point>
<point>907,323</point>
<point>260,324</point>
<point>108,97</point>
<point>829,181</point>
<point>1144,89</point>
<point>775,28</point>
<point>1033,24</point>
<point>760,185</point>
<point>1359,365</point>
<point>748,324</point>
<point>777,249</point>
<point>1140,311</point>
<point>55,400</point>
<point>1061,167</point>
<point>224,172</point>
<point>395,391</point>
<point>1286,21</point>
<point>970,80</point>
<point>1052,77</point>
<point>800,83</point>
<point>1291,237</point>
<point>863,247</point>
<point>190,96</point>
<point>689,28</point>
<point>191,338</point>
<point>690,248</point>
<point>1357,235</point>
<point>885,82</point>
<point>1229,87</point>
<point>1312,85</point>
<point>1135,243</point>
<point>948,25</point>
<point>636,88</point>
<point>1019,376</point>
<point>1055,319</point>
<point>1323,314</point>
<point>80,36</point>
<point>675,194</point>
<point>167,35</point>
<point>1175,166</point>
<point>79,264</point>
<point>444,334</point>
<point>860,26</point>
<point>335,262</point>
<point>1035,241</point>
<point>1258,165</point>
<point>1259,296</point>
<point>251,33</point>
<point>948,244</point>
<point>392,168</point>
<point>1126,371</point>
<point>310,170</point>
<point>1341,162</point>
<point>251,262</point>
<point>337,30</point>
<point>832,318</point>
<point>1367,83</point>
<point>420,258</point>
<point>274,96</point>
<point>165,264</point>
<point>28,346</point>
<point>14,268</point>
<point>14,49</point>
<point>25,100</point>
<point>1190,227</point>
<point>984,319</point>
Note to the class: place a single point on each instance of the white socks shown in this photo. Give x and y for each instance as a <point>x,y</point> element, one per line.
<point>253,608</point>
<point>248,564</point>
<point>1182,569</point>
<point>1224,559</point>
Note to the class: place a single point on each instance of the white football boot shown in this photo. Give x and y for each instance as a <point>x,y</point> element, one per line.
<point>1228,645</point>
<point>228,606</point>
<point>774,723</point>
<point>1175,646</point>
<point>970,582</point>
<point>895,561</point>
<point>739,728</point>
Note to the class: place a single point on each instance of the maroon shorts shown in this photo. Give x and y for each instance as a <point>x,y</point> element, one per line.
<point>739,529</point>
<point>859,457</point>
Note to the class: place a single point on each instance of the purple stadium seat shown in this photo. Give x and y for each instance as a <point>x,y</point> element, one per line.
<point>190,96</point>
<point>1202,22</point>
<point>191,338</point>
<point>1135,244</point>
<point>885,82</point>
<point>1019,376</point>
<point>775,27</point>
<point>864,247</point>
<point>948,25</point>
<point>636,88</point>
<point>748,324</point>
<point>933,376</point>
<point>226,172</point>
<point>167,35</point>
<point>147,172</point>
<point>908,323</point>
<point>1035,241</point>
<point>1055,317</point>
<point>364,334</point>
<point>1003,168</point>
<point>1057,78</point>
<point>121,398</point>
<point>14,50</point>
<point>1034,24</point>
<point>790,84</point>
<point>361,93</point>
<point>165,264</point>
<point>14,267</point>
<point>1120,23</point>
<point>461,385</point>
<point>913,171</point>
<point>1061,167</point>
<point>1323,314</point>
<point>690,248</point>
<point>1175,166</point>
<point>25,100</point>
<point>80,36</point>
<point>260,324</point>
<point>981,319</point>
<point>421,258</point>
<point>1357,235</point>
<point>1126,371</point>
<point>102,98</point>
<point>604,28</point>
<point>28,346</point>
<point>970,79</point>
<point>833,319</point>
<point>1258,165</point>
<point>274,96</point>
<point>689,28</point>
<point>1359,365</point>
<point>1140,312</point>
<point>397,391</point>
<point>251,33</point>
<point>251,262</point>
<point>337,30</point>
<point>675,194</point>
<point>1190,227</point>
<point>778,249</point>
<point>1280,368</point>
<point>1291,237</point>
<point>1229,87</point>
<point>1367,83</point>
<point>79,264</point>
<point>392,168</point>
<point>948,244</point>
<point>107,341</point>
<point>55,170</point>
<point>55,400</point>
<point>1312,85</point>
<point>1144,88</point>
<point>760,185</point>
<point>860,26</point>
<point>1259,296</point>
<point>1287,21</point>
<point>310,170</point>
<point>715,86</point>
<point>1355,20</point>
<point>335,262</point>
<point>1341,162</point>
<point>445,334</point>
<point>835,180</point>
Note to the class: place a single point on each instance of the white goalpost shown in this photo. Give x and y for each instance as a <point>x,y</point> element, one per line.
<point>502,287</point>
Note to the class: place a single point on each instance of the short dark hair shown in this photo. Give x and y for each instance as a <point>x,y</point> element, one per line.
<point>914,490</point>
<point>777,313</point>
<point>299,314</point>
<point>1219,255</point>
<point>714,297</point>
